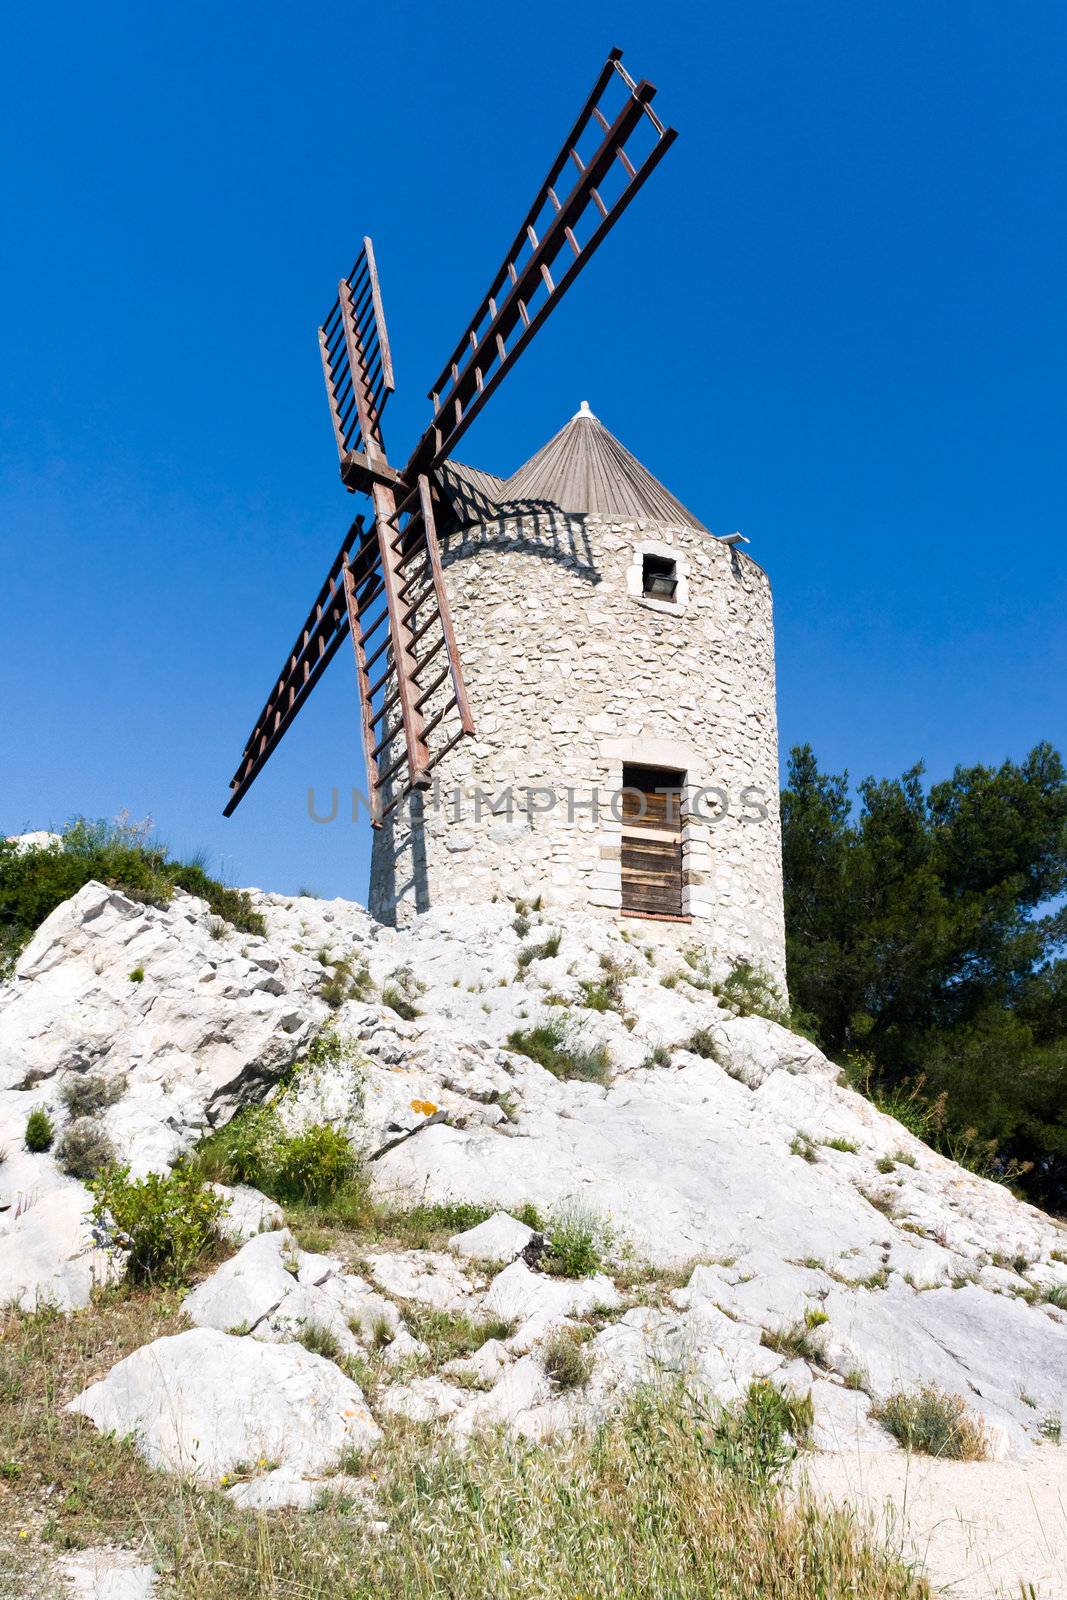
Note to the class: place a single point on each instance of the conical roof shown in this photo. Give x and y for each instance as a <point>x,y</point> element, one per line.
<point>583,468</point>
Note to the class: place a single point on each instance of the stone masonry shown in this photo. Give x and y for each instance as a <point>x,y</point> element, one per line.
<point>571,672</point>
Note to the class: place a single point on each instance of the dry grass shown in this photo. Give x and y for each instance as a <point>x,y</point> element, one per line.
<point>933,1423</point>
<point>642,1508</point>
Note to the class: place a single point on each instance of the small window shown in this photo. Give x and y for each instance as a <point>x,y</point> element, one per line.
<point>653,798</point>
<point>659,577</point>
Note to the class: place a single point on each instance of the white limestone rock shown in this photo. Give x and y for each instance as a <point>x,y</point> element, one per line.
<point>247,1213</point>
<point>241,1293</point>
<point>104,1572</point>
<point>843,1421</point>
<point>519,1389</point>
<point>429,1277</point>
<point>520,1295</point>
<point>203,1402</point>
<point>422,1399</point>
<point>483,1366</point>
<point>499,1238</point>
<point>51,1255</point>
<point>212,1023</point>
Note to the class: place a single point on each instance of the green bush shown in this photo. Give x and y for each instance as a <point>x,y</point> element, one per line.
<point>934,1423</point>
<point>84,1149</point>
<point>547,1045</point>
<point>40,1131</point>
<point>88,1092</point>
<point>166,1220</point>
<point>120,854</point>
<point>312,1165</point>
<point>748,991</point>
<point>757,1439</point>
<point>346,981</point>
<point>240,1152</point>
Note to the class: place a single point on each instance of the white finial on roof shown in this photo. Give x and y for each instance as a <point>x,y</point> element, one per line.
<point>584,411</point>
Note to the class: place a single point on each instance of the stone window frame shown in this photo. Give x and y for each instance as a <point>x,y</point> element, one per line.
<point>635,577</point>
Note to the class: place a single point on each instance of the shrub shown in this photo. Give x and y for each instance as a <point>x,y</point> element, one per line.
<point>565,1362</point>
<point>88,1092</point>
<point>311,1165</point>
<point>40,1131</point>
<point>928,1118</point>
<point>796,1340</point>
<point>84,1149</point>
<point>137,975</point>
<point>547,1045</point>
<point>577,1241</point>
<point>168,1220</point>
<point>757,1439</point>
<point>748,991</point>
<point>1057,1296</point>
<point>933,1423</point>
<point>849,1147</point>
<point>240,1152</point>
<point>803,1145</point>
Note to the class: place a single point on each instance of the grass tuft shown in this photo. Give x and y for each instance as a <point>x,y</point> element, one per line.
<point>933,1423</point>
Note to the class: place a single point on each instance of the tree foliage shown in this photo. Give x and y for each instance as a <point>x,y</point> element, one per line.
<point>923,934</point>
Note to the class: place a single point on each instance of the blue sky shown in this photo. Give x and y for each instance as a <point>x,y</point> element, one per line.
<point>835,319</point>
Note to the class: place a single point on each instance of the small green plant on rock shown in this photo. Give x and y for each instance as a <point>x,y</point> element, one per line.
<point>137,975</point>
<point>847,1147</point>
<point>398,1001</point>
<point>544,951</point>
<point>933,1423</point>
<point>804,1146</point>
<point>346,980</point>
<point>40,1131</point>
<point>578,1241</point>
<point>702,1043</point>
<point>547,1044</point>
<point>320,1340</point>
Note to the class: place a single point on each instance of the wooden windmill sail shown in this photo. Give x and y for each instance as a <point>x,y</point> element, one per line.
<point>385,588</point>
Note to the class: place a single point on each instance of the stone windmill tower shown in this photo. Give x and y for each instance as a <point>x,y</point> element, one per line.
<point>622,662</point>
<point>566,684</point>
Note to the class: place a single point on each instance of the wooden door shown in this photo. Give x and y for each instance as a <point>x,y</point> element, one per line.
<point>652,840</point>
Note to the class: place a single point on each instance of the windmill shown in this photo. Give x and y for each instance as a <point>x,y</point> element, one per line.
<point>386,588</point>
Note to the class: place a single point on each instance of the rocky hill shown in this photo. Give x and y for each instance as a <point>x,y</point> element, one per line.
<point>734,1213</point>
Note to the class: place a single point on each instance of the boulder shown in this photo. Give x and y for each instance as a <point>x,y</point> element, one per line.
<point>247,1213</point>
<point>205,1402</point>
<point>104,1573</point>
<point>52,1255</point>
<point>499,1238</point>
<point>429,1277</point>
<point>422,1400</point>
<point>247,1288</point>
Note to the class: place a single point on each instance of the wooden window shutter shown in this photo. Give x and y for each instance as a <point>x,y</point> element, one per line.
<point>652,840</point>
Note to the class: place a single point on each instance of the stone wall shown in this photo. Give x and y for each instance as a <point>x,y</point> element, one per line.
<point>571,672</point>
